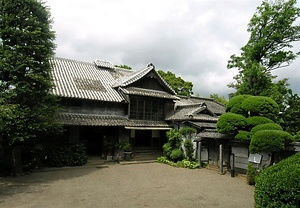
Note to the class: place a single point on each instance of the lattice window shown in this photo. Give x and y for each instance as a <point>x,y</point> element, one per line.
<point>146,109</point>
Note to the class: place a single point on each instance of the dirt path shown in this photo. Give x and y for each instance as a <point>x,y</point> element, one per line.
<point>138,185</point>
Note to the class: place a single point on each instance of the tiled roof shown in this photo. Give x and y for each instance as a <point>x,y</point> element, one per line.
<point>83,80</point>
<point>211,135</point>
<point>202,124</point>
<point>147,92</point>
<point>213,106</point>
<point>192,112</point>
<point>137,75</point>
<point>104,64</point>
<point>144,123</point>
<point>74,119</point>
<point>92,120</point>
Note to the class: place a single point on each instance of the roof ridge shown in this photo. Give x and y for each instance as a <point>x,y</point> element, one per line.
<point>69,59</point>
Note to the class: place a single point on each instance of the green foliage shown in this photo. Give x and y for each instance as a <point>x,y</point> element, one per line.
<point>174,138</point>
<point>180,86</point>
<point>291,115</point>
<point>259,105</point>
<point>26,47</point>
<point>219,99</point>
<point>243,136</point>
<point>172,149</point>
<point>126,146</point>
<point>269,141</point>
<point>257,120</point>
<point>123,67</point>
<point>189,149</point>
<point>251,174</point>
<point>267,126</point>
<point>234,105</point>
<point>176,155</point>
<point>278,185</point>
<point>180,164</point>
<point>187,132</point>
<point>230,123</point>
<point>66,155</point>
<point>272,32</point>
<point>297,137</point>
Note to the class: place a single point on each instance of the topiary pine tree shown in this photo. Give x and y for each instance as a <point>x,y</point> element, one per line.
<point>26,45</point>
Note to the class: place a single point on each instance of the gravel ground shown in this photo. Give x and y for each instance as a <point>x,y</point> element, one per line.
<point>115,185</point>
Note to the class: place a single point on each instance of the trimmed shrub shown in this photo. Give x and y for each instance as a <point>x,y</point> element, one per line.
<point>259,105</point>
<point>61,155</point>
<point>278,185</point>
<point>176,155</point>
<point>267,126</point>
<point>230,122</point>
<point>269,141</point>
<point>257,120</point>
<point>235,103</point>
<point>251,174</point>
<point>243,136</point>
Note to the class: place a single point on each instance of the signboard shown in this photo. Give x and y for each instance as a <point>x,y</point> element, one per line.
<point>255,158</point>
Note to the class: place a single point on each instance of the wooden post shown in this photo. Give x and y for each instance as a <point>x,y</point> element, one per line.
<point>199,154</point>
<point>221,159</point>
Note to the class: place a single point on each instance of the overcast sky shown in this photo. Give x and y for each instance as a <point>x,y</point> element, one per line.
<point>191,38</point>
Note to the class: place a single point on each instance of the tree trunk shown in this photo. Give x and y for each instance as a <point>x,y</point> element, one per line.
<point>13,159</point>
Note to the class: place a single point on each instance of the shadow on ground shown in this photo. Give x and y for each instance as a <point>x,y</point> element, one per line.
<point>29,182</point>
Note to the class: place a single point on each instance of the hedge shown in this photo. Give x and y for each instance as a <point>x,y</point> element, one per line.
<point>235,103</point>
<point>259,105</point>
<point>269,141</point>
<point>257,120</point>
<point>243,136</point>
<point>230,122</point>
<point>267,126</point>
<point>61,155</point>
<point>279,185</point>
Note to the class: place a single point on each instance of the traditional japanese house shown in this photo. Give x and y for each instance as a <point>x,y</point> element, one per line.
<point>202,114</point>
<point>103,104</point>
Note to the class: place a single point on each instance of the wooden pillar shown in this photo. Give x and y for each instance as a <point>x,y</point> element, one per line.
<point>221,159</point>
<point>199,154</point>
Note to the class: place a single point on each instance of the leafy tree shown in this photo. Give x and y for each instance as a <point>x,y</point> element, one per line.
<point>124,67</point>
<point>25,78</point>
<point>172,149</point>
<point>278,186</point>
<point>291,115</point>
<point>220,99</point>
<point>272,31</point>
<point>188,132</point>
<point>180,86</point>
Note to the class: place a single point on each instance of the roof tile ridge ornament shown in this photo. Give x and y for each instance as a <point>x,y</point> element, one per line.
<point>104,64</point>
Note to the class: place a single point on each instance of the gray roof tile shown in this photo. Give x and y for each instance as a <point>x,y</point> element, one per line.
<point>83,80</point>
<point>147,92</point>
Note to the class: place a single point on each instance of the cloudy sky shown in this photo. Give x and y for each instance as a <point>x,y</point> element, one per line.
<point>191,38</point>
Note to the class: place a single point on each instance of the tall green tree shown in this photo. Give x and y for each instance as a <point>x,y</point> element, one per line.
<point>272,34</point>
<point>180,86</point>
<point>26,45</point>
<point>220,99</point>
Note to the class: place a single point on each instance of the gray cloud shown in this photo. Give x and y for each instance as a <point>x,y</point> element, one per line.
<point>193,39</point>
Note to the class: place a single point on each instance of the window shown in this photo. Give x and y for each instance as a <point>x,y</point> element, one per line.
<point>146,109</point>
